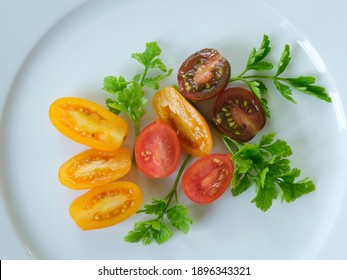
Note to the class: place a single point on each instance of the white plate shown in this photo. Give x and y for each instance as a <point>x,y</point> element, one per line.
<point>96,40</point>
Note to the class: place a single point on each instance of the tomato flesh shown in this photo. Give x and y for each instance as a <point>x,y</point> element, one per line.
<point>208,178</point>
<point>88,123</point>
<point>106,205</point>
<point>190,126</point>
<point>157,150</point>
<point>93,168</point>
<point>239,114</point>
<point>203,74</point>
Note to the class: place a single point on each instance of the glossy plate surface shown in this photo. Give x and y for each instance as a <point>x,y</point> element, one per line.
<point>97,40</point>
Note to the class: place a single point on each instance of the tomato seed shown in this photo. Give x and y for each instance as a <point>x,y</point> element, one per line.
<point>216,160</point>
<point>97,217</point>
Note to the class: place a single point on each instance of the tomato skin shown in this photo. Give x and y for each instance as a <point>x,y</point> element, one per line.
<point>208,178</point>
<point>203,75</point>
<point>88,123</point>
<point>93,168</point>
<point>191,128</point>
<point>157,150</point>
<point>239,114</point>
<point>106,205</point>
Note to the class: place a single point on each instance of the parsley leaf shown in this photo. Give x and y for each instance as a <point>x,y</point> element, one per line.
<point>130,100</point>
<point>284,60</point>
<point>148,57</point>
<point>153,82</point>
<point>149,230</point>
<point>259,89</point>
<point>156,207</point>
<point>178,216</point>
<point>292,190</point>
<point>114,84</point>
<point>306,85</point>
<point>255,60</point>
<point>285,90</point>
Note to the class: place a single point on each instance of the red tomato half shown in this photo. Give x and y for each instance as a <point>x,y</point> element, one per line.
<point>203,75</point>
<point>157,150</point>
<point>208,178</point>
<point>239,114</point>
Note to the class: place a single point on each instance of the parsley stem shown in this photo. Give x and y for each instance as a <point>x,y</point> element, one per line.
<point>137,132</point>
<point>137,128</point>
<point>244,72</point>
<point>142,83</point>
<point>244,78</point>
<point>174,187</point>
<point>229,143</point>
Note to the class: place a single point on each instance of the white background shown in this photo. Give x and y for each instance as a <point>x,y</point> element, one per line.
<point>22,24</point>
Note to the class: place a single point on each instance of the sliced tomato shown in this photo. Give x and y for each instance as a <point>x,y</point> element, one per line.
<point>203,74</point>
<point>239,114</point>
<point>208,178</point>
<point>106,205</point>
<point>88,123</point>
<point>93,168</point>
<point>157,150</point>
<point>191,128</point>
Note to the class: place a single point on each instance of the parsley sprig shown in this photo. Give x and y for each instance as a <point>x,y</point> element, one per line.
<point>256,62</point>
<point>129,96</point>
<point>157,229</point>
<point>267,165</point>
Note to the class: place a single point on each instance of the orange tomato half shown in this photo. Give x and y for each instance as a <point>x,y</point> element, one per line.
<point>106,205</point>
<point>88,123</point>
<point>93,168</point>
<point>192,130</point>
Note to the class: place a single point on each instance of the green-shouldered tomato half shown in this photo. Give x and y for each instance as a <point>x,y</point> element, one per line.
<point>157,150</point>
<point>191,128</point>
<point>106,205</point>
<point>203,75</point>
<point>93,168</point>
<point>239,114</point>
<point>88,123</point>
<point>208,178</point>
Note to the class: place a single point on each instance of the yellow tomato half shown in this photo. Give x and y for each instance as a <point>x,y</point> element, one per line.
<point>93,168</point>
<point>88,123</point>
<point>106,205</point>
<point>191,127</point>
